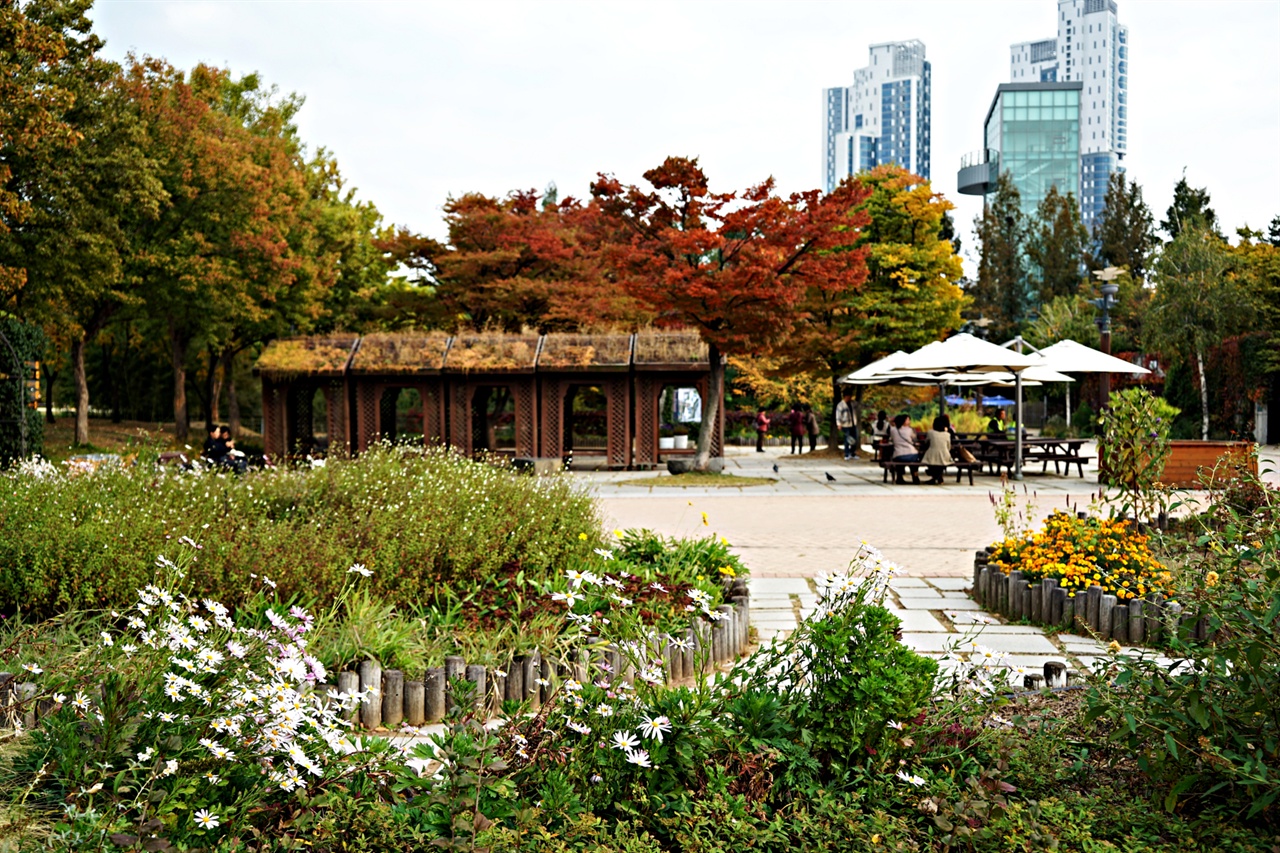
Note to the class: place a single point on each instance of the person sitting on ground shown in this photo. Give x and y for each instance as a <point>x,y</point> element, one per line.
<point>880,429</point>
<point>234,459</point>
<point>795,420</point>
<point>811,426</point>
<point>903,438</point>
<point>215,448</point>
<point>938,454</point>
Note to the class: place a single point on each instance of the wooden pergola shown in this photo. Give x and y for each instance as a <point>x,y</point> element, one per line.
<point>496,393</point>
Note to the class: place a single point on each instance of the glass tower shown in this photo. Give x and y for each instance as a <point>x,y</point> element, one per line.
<point>1033,133</point>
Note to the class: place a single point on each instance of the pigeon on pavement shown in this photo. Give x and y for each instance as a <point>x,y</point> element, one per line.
<point>775,467</point>
<point>830,479</point>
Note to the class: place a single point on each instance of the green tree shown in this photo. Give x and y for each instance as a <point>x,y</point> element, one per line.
<point>1056,241</point>
<point>1197,304</point>
<point>1257,269</point>
<point>79,201</point>
<point>1061,318</point>
<point>1123,235</point>
<point>1190,209</point>
<point>1000,292</point>
<point>909,297</point>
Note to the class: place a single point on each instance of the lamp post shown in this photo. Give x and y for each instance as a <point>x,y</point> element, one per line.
<point>1109,290</point>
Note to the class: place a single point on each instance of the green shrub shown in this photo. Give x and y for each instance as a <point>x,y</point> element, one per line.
<point>424,522</point>
<point>1134,448</point>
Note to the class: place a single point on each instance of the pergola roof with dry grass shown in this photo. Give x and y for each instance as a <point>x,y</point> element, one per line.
<point>419,352</point>
<point>322,355</point>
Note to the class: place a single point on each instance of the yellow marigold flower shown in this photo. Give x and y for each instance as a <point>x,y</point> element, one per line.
<point>1211,579</point>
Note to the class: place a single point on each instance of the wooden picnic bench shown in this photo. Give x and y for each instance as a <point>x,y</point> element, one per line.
<point>884,457</point>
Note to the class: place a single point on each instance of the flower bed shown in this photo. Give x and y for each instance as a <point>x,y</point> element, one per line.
<point>1081,572</point>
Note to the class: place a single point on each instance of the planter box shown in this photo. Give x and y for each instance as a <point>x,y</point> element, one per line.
<point>682,442</point>
<point>1187,458</point>
<point>667,442</point>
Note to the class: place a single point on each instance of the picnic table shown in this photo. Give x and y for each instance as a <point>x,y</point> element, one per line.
<point>998,453</point>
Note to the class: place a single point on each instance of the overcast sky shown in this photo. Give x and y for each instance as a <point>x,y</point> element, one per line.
<point>422,100</point>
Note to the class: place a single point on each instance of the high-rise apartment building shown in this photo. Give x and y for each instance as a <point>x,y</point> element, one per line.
<point>882,118</point>
<point>1091,48</point>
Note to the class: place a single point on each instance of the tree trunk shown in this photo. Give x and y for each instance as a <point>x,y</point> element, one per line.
<point>835,436</point>
<point>710,409</point>
<point>216,380</point>
<point>50,377</point>
<point>178,361</point>
<point>82,390</point>
<point>1204,396</point>
<point>233,402</point>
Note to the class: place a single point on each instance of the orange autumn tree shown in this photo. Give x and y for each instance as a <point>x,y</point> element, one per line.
<point>734,266</point>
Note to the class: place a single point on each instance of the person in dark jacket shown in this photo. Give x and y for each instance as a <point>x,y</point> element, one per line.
<point>811,426</point>
<point>795,420</point>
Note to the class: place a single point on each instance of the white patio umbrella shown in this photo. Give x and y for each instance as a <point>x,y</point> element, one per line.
<point>964,353</point>
<point>1068,356</point>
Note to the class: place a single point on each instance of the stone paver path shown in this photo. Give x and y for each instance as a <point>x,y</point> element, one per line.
<point>936,614</point>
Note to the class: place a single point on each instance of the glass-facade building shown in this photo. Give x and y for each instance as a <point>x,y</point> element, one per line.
<point>1033,133</point>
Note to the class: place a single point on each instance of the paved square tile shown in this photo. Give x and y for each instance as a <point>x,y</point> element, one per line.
<point>919,620</point>
<point>968,617</point>
<point>1025,630</point>
<point>1018,644</point>
<point>918,592</point>
<point>923,642</point>
<point>951,584</point>
<point>784,586</point>
<point>902,583</point>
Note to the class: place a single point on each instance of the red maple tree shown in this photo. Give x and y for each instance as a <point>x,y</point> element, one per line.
<point>734,266</point>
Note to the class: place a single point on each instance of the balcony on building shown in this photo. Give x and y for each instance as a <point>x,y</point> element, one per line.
<point>979,171</point>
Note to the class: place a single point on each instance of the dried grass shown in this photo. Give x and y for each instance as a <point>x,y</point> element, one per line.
<point>316,356</point>
<point>570,351</point>
<point>400,352</point>
<point>492,352</point>
<point>683,347</point>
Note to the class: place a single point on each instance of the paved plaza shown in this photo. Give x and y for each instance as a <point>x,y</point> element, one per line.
<point>804,524</point>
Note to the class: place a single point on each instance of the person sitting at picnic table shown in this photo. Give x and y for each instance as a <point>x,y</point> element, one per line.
<point>880,428</point>
<point>903,438</point>
<point>937,456</point>
<point>995,426</point>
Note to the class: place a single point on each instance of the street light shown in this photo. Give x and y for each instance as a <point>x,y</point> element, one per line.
<point>1109,290</point>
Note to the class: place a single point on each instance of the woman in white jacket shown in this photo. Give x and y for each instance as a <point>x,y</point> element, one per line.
<point>938,455</point>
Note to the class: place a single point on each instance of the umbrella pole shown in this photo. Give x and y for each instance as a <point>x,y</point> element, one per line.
<point>1017,426</point>
<point>1068,407</point>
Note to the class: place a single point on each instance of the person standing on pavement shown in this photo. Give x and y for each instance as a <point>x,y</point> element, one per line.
<point>795,420</point>
<point>762,428</point>
<point>811,425</point>
<point>844,421</point>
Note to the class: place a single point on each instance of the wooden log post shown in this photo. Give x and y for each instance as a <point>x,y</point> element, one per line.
<point>1093,598</point>
<point>1002,593</point>
<point>498,682</point>
<point>1069,617</point>
<point>1047,588</point>
<point>730,629</point>
<point>1120,623</point>
<point>1055,674</point>
<point>1033,681</point>
<point>434,688</point>
<point>476,675</point>
<point>349,683</point>
<point>1057,600</point>
<point>25,694</point>
<point>371,707</point>
<point>979,582</point>
<point>1172,619</point>
<point>1106,603</point>
<point>455,669</point>
<point>1015,594</point>
<point>532,672</point>
<point>1137,622</point>
<point>1151,616</point>
<point>392,698</point>
<point>515,680</point>
<point>415,703</point>
<point>1036,596</point>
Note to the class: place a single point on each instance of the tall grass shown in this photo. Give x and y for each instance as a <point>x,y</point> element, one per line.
<point>425,522</point>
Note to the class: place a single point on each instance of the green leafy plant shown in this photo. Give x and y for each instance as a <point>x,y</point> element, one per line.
<point>1134,448</point>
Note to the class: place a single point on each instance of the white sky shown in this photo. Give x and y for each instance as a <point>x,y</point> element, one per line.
<point>420,100</point>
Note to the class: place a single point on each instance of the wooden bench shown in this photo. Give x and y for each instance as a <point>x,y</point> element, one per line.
<point>884,456</point>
